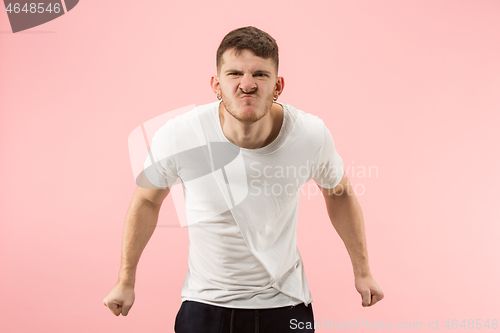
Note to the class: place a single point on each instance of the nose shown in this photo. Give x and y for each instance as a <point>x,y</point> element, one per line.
<point>247,83</point>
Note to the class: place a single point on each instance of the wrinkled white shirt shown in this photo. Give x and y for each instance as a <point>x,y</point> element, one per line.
<point>241,205</point>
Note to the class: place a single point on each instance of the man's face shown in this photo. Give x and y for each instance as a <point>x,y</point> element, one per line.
<point>247,85</point>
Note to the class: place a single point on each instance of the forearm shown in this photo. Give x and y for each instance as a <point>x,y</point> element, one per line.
<point>347,218</point>
<point>140,224</point>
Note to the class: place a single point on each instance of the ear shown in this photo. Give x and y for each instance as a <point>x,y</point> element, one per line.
<point>214,83</point>
<point>280,85</point>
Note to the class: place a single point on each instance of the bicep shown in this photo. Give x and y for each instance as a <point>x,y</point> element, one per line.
<point>146,191</point>
<point>341,188</point>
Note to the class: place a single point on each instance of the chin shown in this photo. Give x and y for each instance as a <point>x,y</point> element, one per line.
<point>247,113</point>
<point>251,117</point>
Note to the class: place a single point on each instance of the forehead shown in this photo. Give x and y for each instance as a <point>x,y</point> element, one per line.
<point>245,58</point>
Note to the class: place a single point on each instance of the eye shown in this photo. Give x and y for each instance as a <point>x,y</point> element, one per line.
<point>261,74</point>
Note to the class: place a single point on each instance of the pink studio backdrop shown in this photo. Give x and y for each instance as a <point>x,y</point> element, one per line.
<point>408,88</point>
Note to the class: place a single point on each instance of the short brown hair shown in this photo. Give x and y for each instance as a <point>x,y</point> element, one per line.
<point>249,38</point>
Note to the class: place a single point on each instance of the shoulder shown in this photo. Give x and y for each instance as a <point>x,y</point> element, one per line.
<point>305,118</point>
<point>306,124</point>
<point>182,129</point>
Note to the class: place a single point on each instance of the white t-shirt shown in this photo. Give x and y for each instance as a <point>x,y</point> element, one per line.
<point>241,204</point>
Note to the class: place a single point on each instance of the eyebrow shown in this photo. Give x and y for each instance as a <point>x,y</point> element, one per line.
<point>259,71</point>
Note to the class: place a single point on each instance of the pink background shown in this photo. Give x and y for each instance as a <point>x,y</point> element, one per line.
<point>411,88</point>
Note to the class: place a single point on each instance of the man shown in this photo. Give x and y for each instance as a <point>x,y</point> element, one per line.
<point>242,161</point>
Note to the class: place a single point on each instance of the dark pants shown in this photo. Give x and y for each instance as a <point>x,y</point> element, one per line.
<point>197,317</point>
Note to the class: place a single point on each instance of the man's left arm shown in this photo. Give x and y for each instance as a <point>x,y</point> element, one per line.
<point>347,219</point>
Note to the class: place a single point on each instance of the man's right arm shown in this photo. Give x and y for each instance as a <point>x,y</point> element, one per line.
<point>140,223</point>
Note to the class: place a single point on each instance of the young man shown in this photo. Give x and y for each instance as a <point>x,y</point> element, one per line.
<point>242,161</point>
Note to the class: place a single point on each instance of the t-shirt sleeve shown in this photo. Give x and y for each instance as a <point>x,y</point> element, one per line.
<point>159,167</point>
<point>329,168</point>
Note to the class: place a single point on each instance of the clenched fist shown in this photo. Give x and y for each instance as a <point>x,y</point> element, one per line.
<point>120,299</point>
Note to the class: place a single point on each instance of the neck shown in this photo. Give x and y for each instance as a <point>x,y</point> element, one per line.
<point>255,135</point>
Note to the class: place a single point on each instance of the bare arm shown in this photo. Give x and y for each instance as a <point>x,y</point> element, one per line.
<point>347,219</point>
<point>140,223</point>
